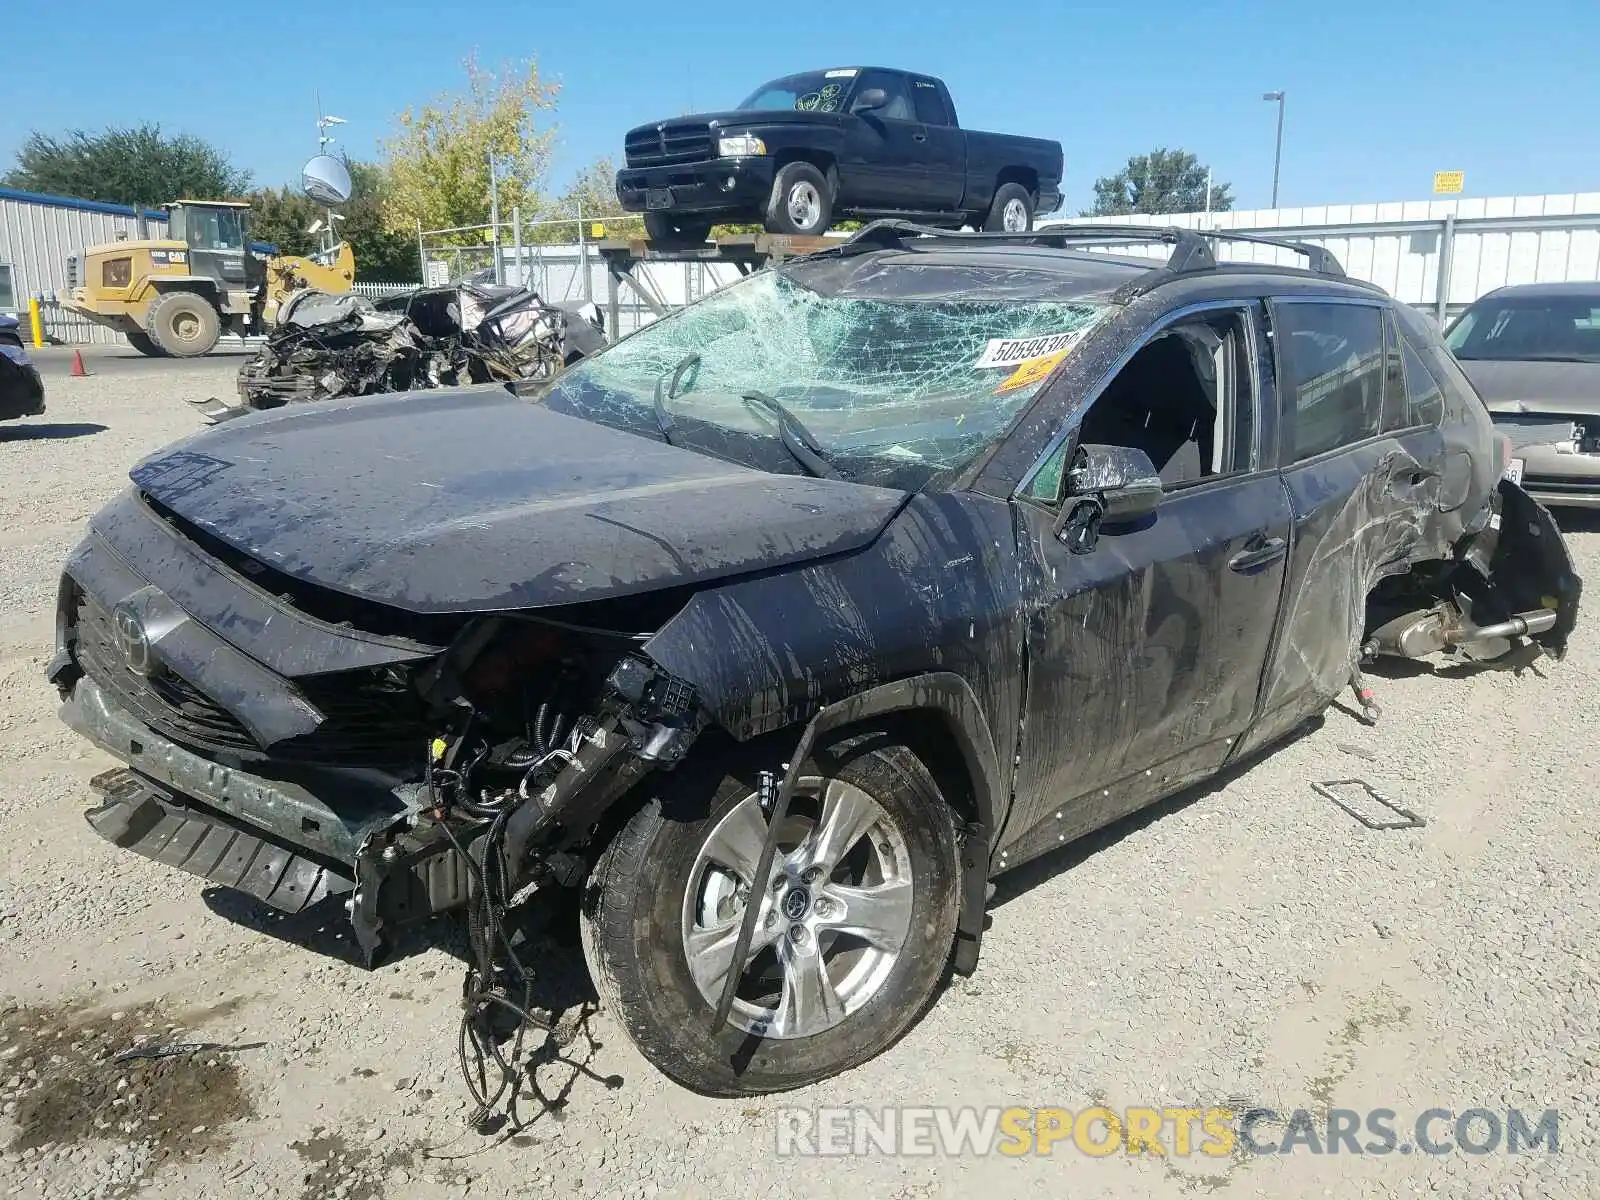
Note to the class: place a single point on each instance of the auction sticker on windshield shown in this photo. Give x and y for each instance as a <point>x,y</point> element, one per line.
<point>1030,372</point>
<point>1010,352</point>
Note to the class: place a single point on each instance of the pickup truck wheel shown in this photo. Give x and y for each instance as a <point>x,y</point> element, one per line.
<point>670,230</point>
<point>1011,210</point>
<point>858,918</point>
<point>801,202</point>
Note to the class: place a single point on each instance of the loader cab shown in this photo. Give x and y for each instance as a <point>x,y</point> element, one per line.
<point>214,231</point>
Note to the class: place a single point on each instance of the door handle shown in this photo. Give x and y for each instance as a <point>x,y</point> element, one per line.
<point>1259,554</point>
<point>919,137</point>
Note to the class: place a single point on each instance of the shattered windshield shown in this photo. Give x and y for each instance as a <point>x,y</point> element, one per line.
<point>813,91</point>
<point>879,384</point>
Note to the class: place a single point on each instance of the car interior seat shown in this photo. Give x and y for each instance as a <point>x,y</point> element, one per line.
<point>1157,404</point>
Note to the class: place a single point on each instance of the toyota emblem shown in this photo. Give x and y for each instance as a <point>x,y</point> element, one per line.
<point>132,640</point>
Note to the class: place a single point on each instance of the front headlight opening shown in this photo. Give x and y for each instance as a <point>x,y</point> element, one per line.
<point>742,145</point>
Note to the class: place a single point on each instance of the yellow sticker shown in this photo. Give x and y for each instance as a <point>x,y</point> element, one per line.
<point>1030,372</point>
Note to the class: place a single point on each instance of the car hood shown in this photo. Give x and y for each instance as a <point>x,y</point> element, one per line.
<point>477,500</point>
<point>1557,388</point>
<point>735,118</point>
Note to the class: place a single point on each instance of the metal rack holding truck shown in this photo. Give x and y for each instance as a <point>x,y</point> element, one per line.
<point>818,147</point>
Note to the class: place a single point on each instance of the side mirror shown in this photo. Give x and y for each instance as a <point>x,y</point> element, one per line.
<point>870,99</point>
<point>1106,485</point>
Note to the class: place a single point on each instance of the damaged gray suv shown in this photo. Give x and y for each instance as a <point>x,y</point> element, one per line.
<point>780,628</point>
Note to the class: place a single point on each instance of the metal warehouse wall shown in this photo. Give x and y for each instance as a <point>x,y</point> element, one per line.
<point>36,236</point>
<point>1409,248</point>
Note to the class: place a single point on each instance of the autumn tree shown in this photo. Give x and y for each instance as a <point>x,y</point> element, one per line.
<point>437,159</point>
<point>139,166</point>
<point>1162,181</point>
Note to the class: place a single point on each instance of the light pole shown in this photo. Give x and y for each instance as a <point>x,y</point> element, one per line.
<point>1277,154</point>
<point>494,215</point>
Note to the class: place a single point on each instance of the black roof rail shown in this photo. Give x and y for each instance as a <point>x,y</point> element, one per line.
<point>1192,248</point>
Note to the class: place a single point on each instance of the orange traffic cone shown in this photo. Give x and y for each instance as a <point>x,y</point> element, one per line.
<point>77,363</point>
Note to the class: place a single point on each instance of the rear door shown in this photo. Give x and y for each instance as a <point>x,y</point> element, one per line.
<point>1145,655</point>
<point>1364,466</point>
<point>885,150</point>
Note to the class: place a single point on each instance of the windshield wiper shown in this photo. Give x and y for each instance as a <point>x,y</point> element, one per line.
<point>796,438</point>
<point>665,420</point>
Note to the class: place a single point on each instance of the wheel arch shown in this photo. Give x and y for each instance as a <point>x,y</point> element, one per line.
<point>1026,176</point>
<point>823,160</point>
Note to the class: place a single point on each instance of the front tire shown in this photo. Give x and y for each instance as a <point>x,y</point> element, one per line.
<point>183,324</point>
<point>801,203</point>
<point>859,918</point>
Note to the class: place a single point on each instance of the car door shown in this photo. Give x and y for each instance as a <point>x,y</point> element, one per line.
<point>883,159</point>
<point>944,147</point>
<point>1365,466</point>
<point>1145,654</point>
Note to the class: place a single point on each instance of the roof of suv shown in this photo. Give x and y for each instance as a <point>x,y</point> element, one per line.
<point>1017,268</point>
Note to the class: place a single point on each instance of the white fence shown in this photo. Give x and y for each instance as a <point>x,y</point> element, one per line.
<point>1439,255</point>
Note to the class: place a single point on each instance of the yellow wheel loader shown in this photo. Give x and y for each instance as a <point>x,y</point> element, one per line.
<point>177,295</point>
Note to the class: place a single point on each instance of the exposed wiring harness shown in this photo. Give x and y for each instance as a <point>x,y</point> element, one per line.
<point>496,984</point>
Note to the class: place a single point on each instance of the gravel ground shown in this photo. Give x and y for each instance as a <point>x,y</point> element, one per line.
<point>1249,945</point>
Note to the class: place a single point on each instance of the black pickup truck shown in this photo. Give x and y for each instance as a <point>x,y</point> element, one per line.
<point>810,149</point>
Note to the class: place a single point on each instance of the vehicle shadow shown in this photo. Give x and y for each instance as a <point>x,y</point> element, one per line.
<point>544,928</point>
<point>554,1053</point>
<point>1577,520</point>
<point>1525,657</point>
<point>50,432</point>
<point>1018,881</point>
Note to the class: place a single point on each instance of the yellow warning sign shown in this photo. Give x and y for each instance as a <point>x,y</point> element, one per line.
<point>1449,183</point>
<point>1030,372</point>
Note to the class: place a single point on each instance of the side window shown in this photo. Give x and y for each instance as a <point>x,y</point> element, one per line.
<point>1424,397</point>
<point>930,107</point>
<point>1396,411</point>
<point>8,294</point>
<point>899,107</point>
<point>1187,398</point>
<point>1333,372</point>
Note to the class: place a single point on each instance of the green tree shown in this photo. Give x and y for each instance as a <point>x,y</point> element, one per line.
<point>592,194</point>
<point>139,166</point>
<point>1162,181</point>
<point>284,215</point>
<point>437,160</point>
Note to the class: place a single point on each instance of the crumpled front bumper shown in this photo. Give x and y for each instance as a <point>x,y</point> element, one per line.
<point>288,809</point>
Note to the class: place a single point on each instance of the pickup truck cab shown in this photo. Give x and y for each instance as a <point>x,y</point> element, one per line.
<point>821,146</point>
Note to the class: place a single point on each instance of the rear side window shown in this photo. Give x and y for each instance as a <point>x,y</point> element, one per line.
<point>1334,371</point>
<point>1424,397</point>
<point>1396,407</point>
<point>930,106</point>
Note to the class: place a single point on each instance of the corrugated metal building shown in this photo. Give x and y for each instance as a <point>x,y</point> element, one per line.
<point>1439,255</point>
<point>38,233</point>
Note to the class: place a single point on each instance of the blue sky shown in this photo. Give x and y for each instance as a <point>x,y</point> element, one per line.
<point>1381,93</point>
